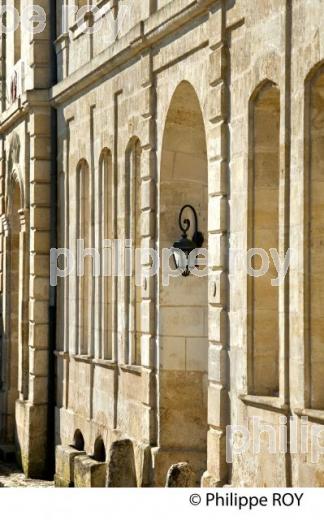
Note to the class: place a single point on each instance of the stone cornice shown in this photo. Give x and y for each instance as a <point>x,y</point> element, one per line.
<point>19,109</point>
<point>145,34</point>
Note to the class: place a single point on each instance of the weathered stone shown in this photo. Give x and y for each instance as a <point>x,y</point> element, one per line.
<point>180,475</point>
<point>143,463</point>
<point>64,473</point>
<point>214,104</point>
<point>89,473</point>
<point>121,465</point>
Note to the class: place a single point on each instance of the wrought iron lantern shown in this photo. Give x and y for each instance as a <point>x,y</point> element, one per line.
<point>182,248</point>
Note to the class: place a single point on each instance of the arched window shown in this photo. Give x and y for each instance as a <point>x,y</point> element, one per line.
<point>153,6</point>
<point>14,293</point>
<point>314,252</point>
<point>61,283</point>
<point>263,226</point>
<point>132,234</point>
<point>17,33</point>
<point>106,227</point>
<point>84,228</point>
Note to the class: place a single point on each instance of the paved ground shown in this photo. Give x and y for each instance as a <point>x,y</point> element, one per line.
<point>11,476</point>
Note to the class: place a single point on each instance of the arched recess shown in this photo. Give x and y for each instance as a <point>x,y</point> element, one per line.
<point>15,294</point>
<point>314,239</point>
<point>78,440</point>
<point>99,453</point>
<point>183,303</point>
<point>263,234</point>
<point>106,233</point>
<point>133,293</point>
<point>15,307</point>
<point>13,288</point>
<point>84,282</point>
<point>62,294</point>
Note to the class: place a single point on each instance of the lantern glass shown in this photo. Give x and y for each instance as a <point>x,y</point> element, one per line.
<point>192,260</point>
<point>180,259</point>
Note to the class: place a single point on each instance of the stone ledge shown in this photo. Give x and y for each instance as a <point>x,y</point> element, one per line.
<point>64,461</point>
<point>88,473</point>
<point>133,369</point>
<point>274,404</point>
<point>312,414</point>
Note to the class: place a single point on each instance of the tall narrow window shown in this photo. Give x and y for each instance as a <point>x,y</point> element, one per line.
<point>14,298</point>
<point>153,6</point>
<point>61,296</point>
<point>264,235</point>
<point>314,248</point>
<point>132,234</point>
<point>106,236</point>
<point>85,277</point>
<point>17,33</point>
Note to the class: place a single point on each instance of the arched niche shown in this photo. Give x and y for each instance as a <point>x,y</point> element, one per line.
<point>183,303</point>
<point>263,234</point>
<point>78,440</point>
<point>99,453</point>
<point>133,294</point>
<point>106,232</point>
<point>84,232</point>
<point>314,255</point>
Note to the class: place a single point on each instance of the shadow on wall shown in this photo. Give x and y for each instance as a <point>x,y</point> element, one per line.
<point>99,453</point>
<point>78,441</point>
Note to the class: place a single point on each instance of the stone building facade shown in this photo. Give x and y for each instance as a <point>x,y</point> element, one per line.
<point>144,107</point>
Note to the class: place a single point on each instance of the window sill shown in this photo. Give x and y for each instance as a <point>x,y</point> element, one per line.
<point>274,404</point>
<point>82,358</point>
<point>62,42</point>
<point>132,369</point>
<point>106,363</point>
<point>61,354</point>
<point>92,16</point>
<point>310,413</point>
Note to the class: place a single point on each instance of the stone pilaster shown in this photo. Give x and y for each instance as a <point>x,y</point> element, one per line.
<point>148,210</point>
<point>31,413</point>
<point>217,135</point>
<point>4,332</point>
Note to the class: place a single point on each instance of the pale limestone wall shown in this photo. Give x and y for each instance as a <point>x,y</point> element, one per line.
<point>95,398</point>
<point>170,68</point>
<point>308,46</point>
<point>180,364</point>
<point>112,19</point>
<point>112,113</point>
<point>257,54</point>
<point>25,232</point>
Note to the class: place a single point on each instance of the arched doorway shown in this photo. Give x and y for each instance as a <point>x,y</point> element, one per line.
<point>12,290</point>
<point>183,304</point>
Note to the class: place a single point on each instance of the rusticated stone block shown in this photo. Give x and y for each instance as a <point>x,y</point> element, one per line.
<point>88,473</point>
<point>143,462</point>
<point>64,462</point>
